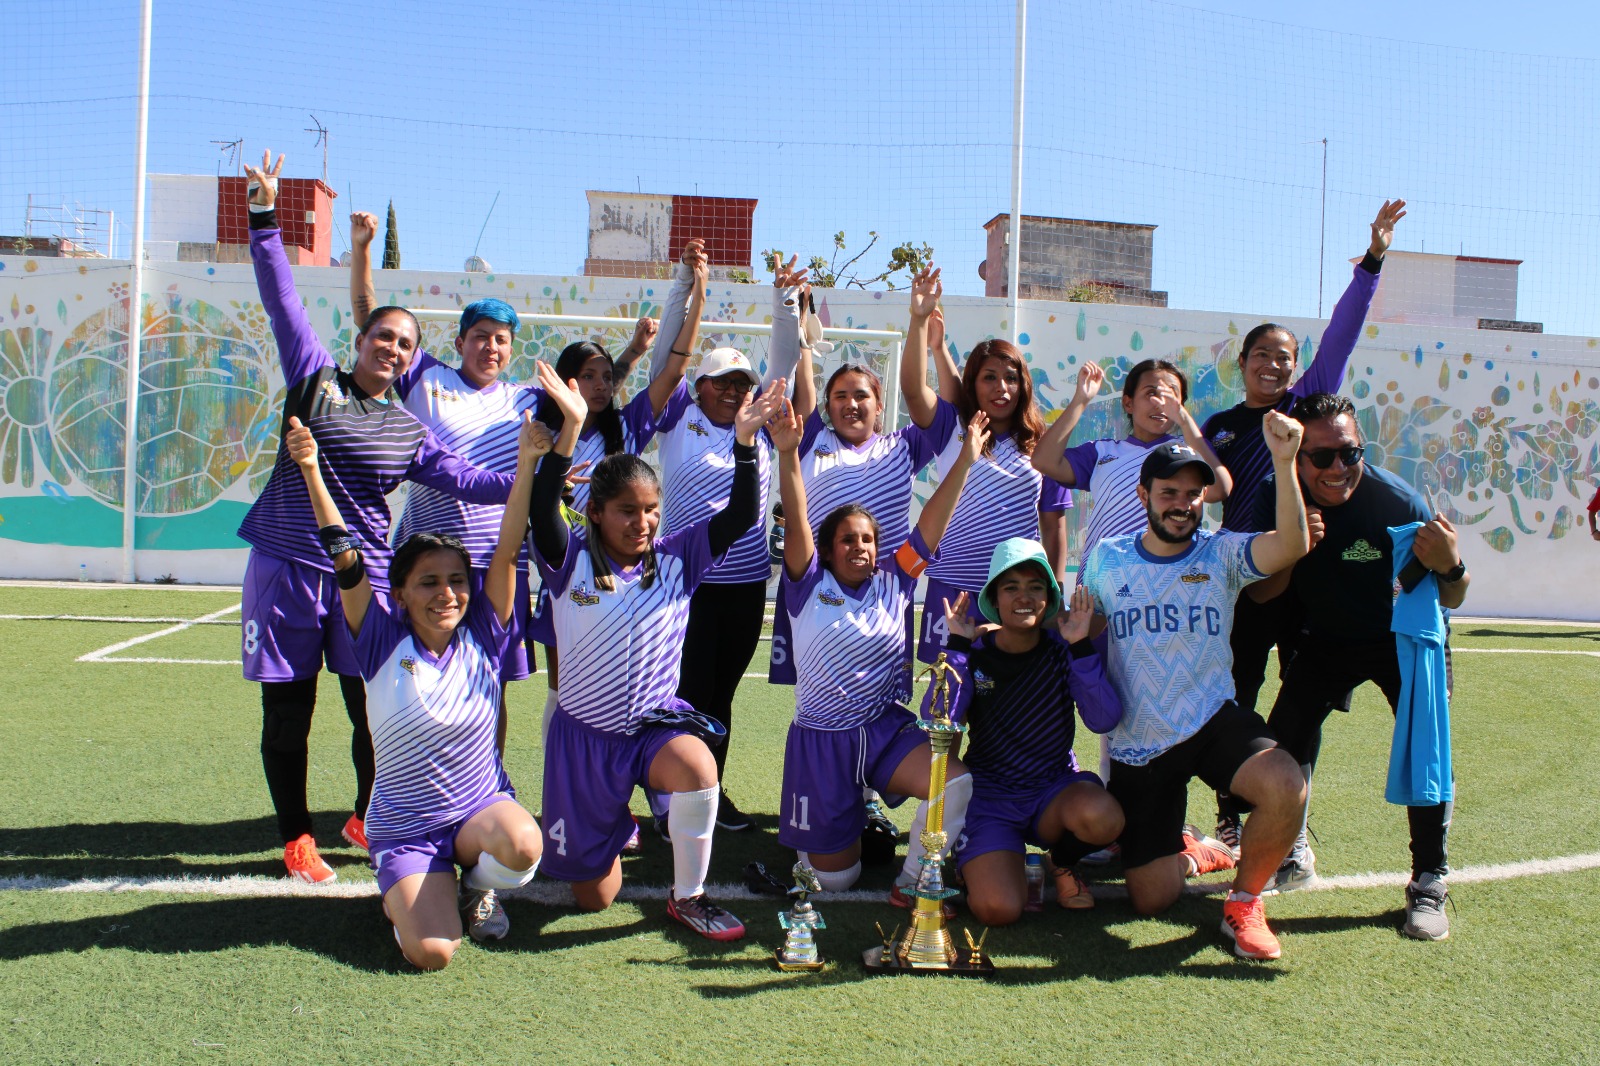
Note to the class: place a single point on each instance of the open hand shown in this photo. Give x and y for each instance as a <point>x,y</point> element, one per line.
<point>565,393</point>
<point>756,411</point>
<point>926,289</point>
<point>1282,434</point>
<point>1090,378</point>
<point>784,427</point>
<point>301,445</point>
<point>1075,621</point>
<point>956,620</point>
<point>977,437</point>
<point>262,182</point>
<point>1391,212</point>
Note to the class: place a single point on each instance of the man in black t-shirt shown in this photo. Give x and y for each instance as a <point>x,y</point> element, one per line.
<point>1345,590</point>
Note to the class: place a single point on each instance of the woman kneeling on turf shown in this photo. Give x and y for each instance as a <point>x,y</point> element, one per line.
<point>619,598</point>
<point>846,603</point>
<point>431,654</point>
<point>1015,687</point>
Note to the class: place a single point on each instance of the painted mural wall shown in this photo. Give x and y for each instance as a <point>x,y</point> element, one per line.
<point>1502,430</point>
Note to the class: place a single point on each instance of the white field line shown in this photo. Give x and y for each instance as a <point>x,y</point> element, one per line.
<point>558,893</point>
<point>114,586</point>
<point>103,655</point>
<point>1519,651</point>
<point>112,618</point>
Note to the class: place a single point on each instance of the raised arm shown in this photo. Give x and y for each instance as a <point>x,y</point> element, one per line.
<point>363,296</point>
<point>935,517</point>
<point>1325,372</point>
<point>1179,415</point>
<point>500,580</point>
<point>944,364</point>
<point>1092,691</point>
<point>300,352</point>
<point>921,401</point>
<point>355,591</point>
<point>790,295</point>
<point>549,529</point>
<point>1049,455</point>
<point>674,310</point>
<point>743,512</point>
<point>798,545</point>
<point>1281,548</point>
<point>782,363</point>
<point>667,374</point>
<point>440,468</point>
<point>644,336</point>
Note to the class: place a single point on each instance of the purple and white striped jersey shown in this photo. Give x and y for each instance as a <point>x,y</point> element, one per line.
<point>620,650</point>
<point>1109,471</point>
<point>696,458</point>
<point>849,644</point>
<point>367,444</point>
<point>479,424</point>
<point>1019,707</point>
<point>878,473</point>
<point>1002,499</point>
<point>432,718</point>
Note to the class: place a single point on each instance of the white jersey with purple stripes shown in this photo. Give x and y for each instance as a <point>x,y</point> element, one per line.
<point>1168,624</point>
<point>877,473</point>
<point>1002,499</point>
<point>1109,471</point>
<point>432,718</point>
<point>849,644</point>
<point>478,424</point>
<point>696,458</point>
<point>621,649</point>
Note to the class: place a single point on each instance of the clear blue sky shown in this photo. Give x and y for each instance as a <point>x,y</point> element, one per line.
<point>891,116</point>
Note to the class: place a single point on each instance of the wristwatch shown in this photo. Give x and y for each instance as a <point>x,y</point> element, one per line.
<point>1455,573</point>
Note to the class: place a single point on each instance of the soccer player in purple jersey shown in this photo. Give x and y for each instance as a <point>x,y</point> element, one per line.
<point>846,603</point>
<point>430,651</point>
<point>1268,358</point>
<point>621,602</point>
<point>1004,497</point>
<point>1017,688</point>
<point>369,445</point>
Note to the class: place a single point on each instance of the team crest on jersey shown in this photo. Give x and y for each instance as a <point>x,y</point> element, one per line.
<point>982,683</point>
<point>409,665</point>
<point>830,599</point>
<point>1223,439</point>
<point>1195,577</point>
<point>439,392</point>
<point>1124,591</point>
<point>581,595</point>
<point>335,395</point>
<point>698,429</point>
<point>822,451</point>
<point>1361,552</point>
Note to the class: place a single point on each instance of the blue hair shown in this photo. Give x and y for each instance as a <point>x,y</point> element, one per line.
<point>492,309</point>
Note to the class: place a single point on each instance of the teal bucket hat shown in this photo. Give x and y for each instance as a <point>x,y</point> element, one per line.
<point>1010,553</point>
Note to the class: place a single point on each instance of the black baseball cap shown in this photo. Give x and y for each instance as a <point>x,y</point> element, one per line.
<point>1167,459</point>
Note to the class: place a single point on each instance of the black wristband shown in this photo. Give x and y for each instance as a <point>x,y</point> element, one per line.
<point>676,352</point>
<point>1082,649</point>
<point>263,219</point>
<point>743,453</point>
<point>336,540</point>
<point>1455,573</point>
<point>351,576</point>
<point>1371,263</point>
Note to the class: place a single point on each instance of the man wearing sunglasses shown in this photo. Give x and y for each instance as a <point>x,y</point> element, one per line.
<point>1345,591</point>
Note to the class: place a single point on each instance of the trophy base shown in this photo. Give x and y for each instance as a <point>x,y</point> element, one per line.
<point>881,960</point>
<point>788,966</point>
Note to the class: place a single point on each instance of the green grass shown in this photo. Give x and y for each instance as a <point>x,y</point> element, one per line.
<point>118,770</point>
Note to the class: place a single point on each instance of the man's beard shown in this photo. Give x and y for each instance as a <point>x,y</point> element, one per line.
<point>1161,533</point>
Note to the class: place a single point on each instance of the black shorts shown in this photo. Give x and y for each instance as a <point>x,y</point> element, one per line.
<point>1155,796</point>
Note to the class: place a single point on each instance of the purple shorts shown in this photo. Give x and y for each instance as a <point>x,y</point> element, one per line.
<point>515,666</point>
<point>935,636</point>
<point>1002,819</point>
<point>824,771</point>
<point>433,852</point>
<point>541,620</point>
<point>589,778</point>
<point>293,622</point>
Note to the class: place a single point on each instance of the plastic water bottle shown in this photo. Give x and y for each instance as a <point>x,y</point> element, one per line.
<point>1035,874</point>
<point>83,571</point>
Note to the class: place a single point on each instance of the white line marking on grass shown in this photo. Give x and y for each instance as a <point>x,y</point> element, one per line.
<point>102,655</point>
<point>113,618</point>
<point>1523,651</point>
<point>559,893</point>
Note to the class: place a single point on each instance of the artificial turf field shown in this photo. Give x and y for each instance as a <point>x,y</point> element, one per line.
<point>121,775</point>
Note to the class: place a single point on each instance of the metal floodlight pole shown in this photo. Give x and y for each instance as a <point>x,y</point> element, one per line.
<point>130,429</point>
<point>1322,240</point>
<point>1014,234</point>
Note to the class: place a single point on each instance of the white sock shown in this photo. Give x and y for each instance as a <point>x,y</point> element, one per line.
<point>957,794</point>
<point>870,795</point>
<point>544,723</point>
<point>490,872</point>
<point>691,816</point>
<point>1241,897</point>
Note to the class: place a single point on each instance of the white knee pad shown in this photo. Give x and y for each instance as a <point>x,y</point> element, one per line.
<point>492,873</point>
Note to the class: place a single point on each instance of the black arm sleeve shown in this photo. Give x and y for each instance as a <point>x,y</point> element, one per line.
<point>544,508</point>
<point>744,506</point>
<point>1371,265</point>
<point>263,219</point>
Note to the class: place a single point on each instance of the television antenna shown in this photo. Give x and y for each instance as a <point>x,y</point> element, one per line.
<point>322,140</point>
<point>234,150</point>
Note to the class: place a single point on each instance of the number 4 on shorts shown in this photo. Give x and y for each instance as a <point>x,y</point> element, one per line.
<point>558,833</point>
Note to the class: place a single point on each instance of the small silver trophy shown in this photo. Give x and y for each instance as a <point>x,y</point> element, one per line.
<point>800,921</point>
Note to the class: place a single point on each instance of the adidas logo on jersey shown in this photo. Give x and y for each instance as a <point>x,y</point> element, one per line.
<point>1361,552</point>
<point>1123,591</point>
<point>581,595</point>
<point>697,428</point>
<point>830,599</point>
<point>1194,577</point>
<point>335,396</point>
<point>1104,459</point>
<point>1223,439</point>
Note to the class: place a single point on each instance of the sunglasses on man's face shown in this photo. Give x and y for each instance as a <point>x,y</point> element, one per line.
<point>1322,458</point>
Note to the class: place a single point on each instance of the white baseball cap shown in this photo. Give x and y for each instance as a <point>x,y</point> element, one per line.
<point>720,361</point>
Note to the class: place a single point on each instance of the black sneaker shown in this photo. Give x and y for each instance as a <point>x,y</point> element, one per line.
<point>730,817</point>
<point>661,828</point>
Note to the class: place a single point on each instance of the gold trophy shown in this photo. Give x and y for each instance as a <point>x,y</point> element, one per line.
<point>800,921</point>
<point>927,946</point>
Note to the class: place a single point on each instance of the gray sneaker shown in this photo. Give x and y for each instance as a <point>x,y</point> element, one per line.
<point>1230,831</point>
<point>1299,869</point>
<point>486,919</point>
<point>1425,916</point>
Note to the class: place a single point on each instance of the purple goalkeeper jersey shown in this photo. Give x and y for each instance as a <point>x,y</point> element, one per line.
<point>367,444</point>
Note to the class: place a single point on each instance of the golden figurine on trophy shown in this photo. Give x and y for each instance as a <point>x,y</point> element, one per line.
<point>800,923</point>
<point>927,946</point>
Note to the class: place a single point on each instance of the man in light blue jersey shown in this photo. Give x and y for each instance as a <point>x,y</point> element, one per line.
<point>1167,595</point>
